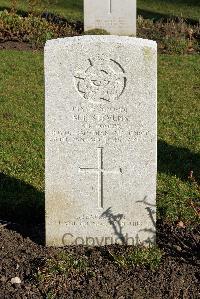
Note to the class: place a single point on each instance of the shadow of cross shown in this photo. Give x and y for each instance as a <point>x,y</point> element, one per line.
<point>100,171</point>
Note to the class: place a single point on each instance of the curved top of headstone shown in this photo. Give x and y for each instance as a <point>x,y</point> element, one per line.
<point>101,38</point>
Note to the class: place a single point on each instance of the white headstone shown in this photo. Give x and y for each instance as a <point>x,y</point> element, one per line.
<point>115,16</point>
<point>100,140</point>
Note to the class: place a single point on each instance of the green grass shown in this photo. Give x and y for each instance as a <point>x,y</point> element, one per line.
<point>22,140</point>
<point>178,131</point>
<point>22,102</point>
<point>189,9</point>
<point>150,257</point>
<point>73,9</point>
<point>61,264</point>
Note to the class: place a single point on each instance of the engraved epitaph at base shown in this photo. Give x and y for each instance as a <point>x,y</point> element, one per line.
<point>100,140</point>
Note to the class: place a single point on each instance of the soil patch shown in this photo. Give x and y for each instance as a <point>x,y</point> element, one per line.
<point>178,275</point>
<point>15,45</point>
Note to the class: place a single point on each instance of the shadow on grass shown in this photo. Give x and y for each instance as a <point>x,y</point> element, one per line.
<point>19,11</point>
<point>156,16</point>
<point>179,2</point>
<point>23,205</point>
<point>22,208</point>
<point>147,14</point>
<point>177,161</point>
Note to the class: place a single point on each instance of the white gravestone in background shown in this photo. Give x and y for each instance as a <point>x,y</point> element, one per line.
<point>100,140</point>
<point>115,16</point>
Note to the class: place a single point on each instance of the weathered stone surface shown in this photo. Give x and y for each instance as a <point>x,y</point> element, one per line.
<point>115,16</point>
<point>100,140</point>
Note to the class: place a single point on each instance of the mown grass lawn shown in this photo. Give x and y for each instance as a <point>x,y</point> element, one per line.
<point>22,138</point>
<point>188,9</point>
<point>73,9</point>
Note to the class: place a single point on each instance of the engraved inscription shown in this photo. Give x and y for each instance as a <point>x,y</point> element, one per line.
<point>114,22</point>
<point>100,222</point>
<point>99,136</point>
<point>102,82</point>
<point>100,171</point>
<point>101,125</point>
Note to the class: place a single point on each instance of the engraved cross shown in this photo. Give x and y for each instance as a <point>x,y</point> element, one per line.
<point>110,6</point>
<point>100,171</point>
